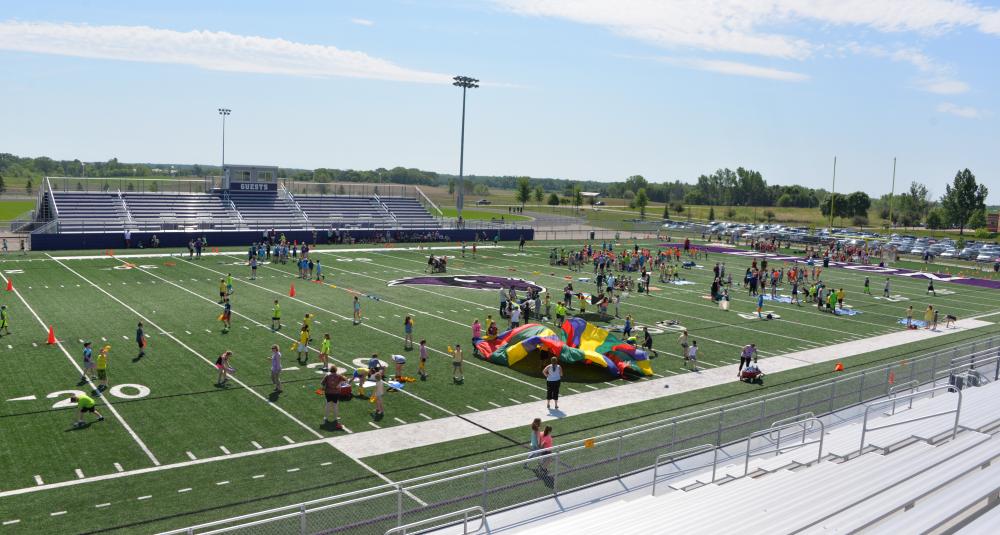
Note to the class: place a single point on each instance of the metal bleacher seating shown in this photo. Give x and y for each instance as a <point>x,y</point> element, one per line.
<point>409,212</point>
<point>910,475</point>
<point>268,210</point>
<point>179,210</point>
<point>89,211</point>
<point>343,211</point>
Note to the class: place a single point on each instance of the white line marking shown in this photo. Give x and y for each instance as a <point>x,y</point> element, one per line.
<point>33,344</point>
<point>373,425</point>
<point>400,421</point>
<point>124,337</point>
<point>255,444</point>
<point>180,491</point>
<point>191,456</point>
<point>10,346</point>
<point>188,332</point>
<point>57,513</point>
<point>38,480</point>
<point>100,505</point>
<point>288,440</point>
<point>224,450</point>
<point>220,483</point>
<point>573,390</point>
<point>472,408</point>
<point>381,316</point>
<point>497,405</point>
<point>208,331</point>
<point>258,476</point>
<point>534,396</point>
<point>328,463</point>
<point>146,497</point>
<point>292,470</point>
<point>10,522</point>
<point>424,416</point>
<point>514,400</point>
<point>24,398</point>
<point>79,473</point>
<point>103,339</point>
<point>592,387</point>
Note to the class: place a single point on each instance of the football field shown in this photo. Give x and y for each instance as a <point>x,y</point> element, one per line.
<point>175,449</point>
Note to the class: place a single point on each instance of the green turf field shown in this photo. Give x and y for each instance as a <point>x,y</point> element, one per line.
<point>177,450</point>
<point>11,209</point>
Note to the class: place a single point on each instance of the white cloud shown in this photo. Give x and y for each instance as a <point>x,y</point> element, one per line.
<point>741,25</point>
<point>217,51</point>
<point>934,77</point>
<point>736,69</point>
<point>363,22</point>
<point>967,112</point>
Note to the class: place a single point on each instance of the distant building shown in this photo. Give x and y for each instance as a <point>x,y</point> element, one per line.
<point>993,222</point>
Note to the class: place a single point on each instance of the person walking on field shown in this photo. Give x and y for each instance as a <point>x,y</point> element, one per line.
<point>102,369</point>
<point>276,316</point>
<point>324,351</point>
<point>357,310</point>
<point>222,364</point>
<point>88,364</point>
<point>332,384</point>
<point>457,375</point>
<point>276,368</point>
<point>140,340</point>
<point>748,353</point>
<point>682,340</point>
<point>553,378</point>
<point>408,332</point>
<point>303,345</point>
<point>4,320</point>
<point>928,316</point>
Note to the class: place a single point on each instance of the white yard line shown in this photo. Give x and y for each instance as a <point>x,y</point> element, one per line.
<point>125,425</point>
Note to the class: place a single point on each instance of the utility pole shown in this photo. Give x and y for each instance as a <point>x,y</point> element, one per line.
<point>833,192</point>
<point>465,83</point>
<point>892,191</point>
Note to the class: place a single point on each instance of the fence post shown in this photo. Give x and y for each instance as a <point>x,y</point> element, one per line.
<point>861,388</point>
<point>718,434</point>
<point>485,484</point>
<point>302,520</point>
<point>933,374</point>
<point>798,402</point>
<point>673,430</point>
<point>763,412</point>
<point>833,394</point>
<point>399,505</point>
<point>555,478</point>
<point>619,469</point>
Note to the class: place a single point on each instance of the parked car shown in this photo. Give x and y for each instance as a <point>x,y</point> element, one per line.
<point>482,202</point>
<point>599,203</point>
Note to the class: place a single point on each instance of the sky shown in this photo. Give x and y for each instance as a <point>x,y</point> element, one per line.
<point>577,89</point>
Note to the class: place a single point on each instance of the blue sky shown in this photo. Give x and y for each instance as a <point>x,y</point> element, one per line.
<point>578,89</point>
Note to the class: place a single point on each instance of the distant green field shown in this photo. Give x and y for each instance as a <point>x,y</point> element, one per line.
<point>11,209</point>
<point>484,214</point>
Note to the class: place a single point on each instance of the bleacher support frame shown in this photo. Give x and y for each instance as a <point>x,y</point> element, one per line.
<point>868,408</point>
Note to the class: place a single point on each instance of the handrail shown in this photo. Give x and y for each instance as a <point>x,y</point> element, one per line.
<point>429,201</point>
<point>295,203</point>
<point>121,199</point>
<point>464,513</point>
<point>688,451</point>
<point>791,419</point>
<point>385,207</point>
<point>778,449</point>
<point>869,406</point>
<point>52,197</point>
<point>909,385</point>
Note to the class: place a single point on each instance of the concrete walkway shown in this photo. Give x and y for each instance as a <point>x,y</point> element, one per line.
<point>415,435</point>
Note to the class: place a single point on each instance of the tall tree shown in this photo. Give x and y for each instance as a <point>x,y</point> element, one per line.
<point>553,199</point>
<point>978,219</point>
<point>539,194</point>
<point>962,198</point>
<point>523,192</point>
<point>666,210</point>
<point>577,197</point>
<point>641,201</point>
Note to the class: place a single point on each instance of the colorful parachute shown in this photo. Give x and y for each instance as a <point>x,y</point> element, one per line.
<point>577,342</point>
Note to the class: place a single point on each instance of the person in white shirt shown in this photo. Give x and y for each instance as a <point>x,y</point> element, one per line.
<point>692,355</point>
<point>515,315</point>
<point>553,378</point>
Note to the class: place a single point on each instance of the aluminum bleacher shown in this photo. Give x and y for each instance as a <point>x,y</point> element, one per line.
<point>180,210</point>
<point>927,468</point>
<point>409,212</point>
<point>343,211</point>
<point>89,211</point>
<point>267,210</point>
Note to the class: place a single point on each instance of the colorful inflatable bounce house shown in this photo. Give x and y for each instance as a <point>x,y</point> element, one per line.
<point>577,342</point>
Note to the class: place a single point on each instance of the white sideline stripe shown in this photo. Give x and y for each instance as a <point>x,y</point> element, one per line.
<point>288,440</point>
<point>107,403</point>
<point>230,253</point>
<point>79,473</point>
<point>514,400</point>
<point>373,425</point>
<point>210,363</point>
<point>328,463</point>
<point>191,456</point>
<point>224,450</point>
<point>592,387</point>
<point>534,396</point>
<point>255,444</point>
<point>38,480</point>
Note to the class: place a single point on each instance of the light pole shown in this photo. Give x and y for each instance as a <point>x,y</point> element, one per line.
<point>224,112</point>
<point>465,83</point>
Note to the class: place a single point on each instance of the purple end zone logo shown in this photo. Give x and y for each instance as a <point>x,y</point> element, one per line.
<point>472,282</point>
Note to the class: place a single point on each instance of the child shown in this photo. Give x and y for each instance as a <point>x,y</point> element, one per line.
<point>276,368</point>
<point>379,391</point>
<point>760,306</point>
<point>399,361</point>
<point>227,314</point>
<point>303,345</point>
<point>545,445</point>
<point>4,320</point>
<point>324,351</point>
<point>102,368</point>
<point>930,287</point>
<point>222,364</point>
<point>422,367</point>
<point>84,405</point>
<point>627,329</point>
<point>693,355</point>
<point>909,317</point>
<point>276,316</point>
<point>868,287</point>
<point>140,340</point>
<point>88,363</point>
<point>457,375</point>
<point>408,332</point>
<point>357,310</point>
<point>222,290</point>
<point>229,284</point>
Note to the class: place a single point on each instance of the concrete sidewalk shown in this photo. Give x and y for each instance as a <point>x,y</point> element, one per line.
<point>415,435</point>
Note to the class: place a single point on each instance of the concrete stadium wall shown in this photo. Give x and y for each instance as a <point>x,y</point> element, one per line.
<point>116,240</point>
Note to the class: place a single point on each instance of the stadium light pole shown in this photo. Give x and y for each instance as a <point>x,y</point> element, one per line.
<point>224,112</point>
<point>465,83</point>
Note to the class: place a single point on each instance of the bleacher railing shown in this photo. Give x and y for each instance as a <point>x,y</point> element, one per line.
<point>514,480</point>
<point>358,189</point>
<point>165,185</point>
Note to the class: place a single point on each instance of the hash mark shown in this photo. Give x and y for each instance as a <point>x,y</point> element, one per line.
<point>144,497</point>
<point>100,505</point>
<point>255,444</point>
<point>191,456</point>
<point>220,483</point>
<point>424,416</point>
<point>38,480</point>
<point>495,404</point>
<point>290,441</point>
<point>224,450</point>
<point>179,491</point>
<point>258,476</point>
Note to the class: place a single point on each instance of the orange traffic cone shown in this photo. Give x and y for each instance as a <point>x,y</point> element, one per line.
<point>291,291</point>
<point>52,336</point>
<point>839,367</point>
<point>10,285</point>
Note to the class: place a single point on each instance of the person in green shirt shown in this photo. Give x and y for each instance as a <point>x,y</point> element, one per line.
<point>276,316</point>
<point>560,312</point>
<point>324,351</point>
<point>85,404</point>
<point>831,301</point>
<point>4,320</point>
<point>229,284</point>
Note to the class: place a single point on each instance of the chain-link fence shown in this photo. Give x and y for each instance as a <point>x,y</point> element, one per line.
<point>518,479</point>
